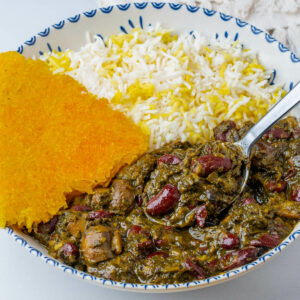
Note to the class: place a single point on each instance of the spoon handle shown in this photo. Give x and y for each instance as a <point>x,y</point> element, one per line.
<point>277,112</point>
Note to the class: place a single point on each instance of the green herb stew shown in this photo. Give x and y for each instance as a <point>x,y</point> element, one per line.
<point>173,215</point>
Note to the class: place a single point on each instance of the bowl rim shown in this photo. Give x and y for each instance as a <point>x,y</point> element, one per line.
<point>21,238</point>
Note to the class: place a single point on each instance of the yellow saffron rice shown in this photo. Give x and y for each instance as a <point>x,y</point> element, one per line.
<point>173,86</point>
<point>54,138</point>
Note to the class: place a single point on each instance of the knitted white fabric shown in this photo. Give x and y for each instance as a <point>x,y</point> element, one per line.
<point>281,18</point>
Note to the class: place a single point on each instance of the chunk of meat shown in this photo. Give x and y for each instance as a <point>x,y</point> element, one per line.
<point>100,198</point>
<point>122,196</point>
<point>96,244</point>
<point>140,170</point>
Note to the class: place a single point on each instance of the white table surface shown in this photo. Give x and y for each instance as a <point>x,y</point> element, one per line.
<point>23,276</point>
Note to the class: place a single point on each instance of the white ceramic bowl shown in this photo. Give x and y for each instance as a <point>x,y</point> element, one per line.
<point>71,33</point>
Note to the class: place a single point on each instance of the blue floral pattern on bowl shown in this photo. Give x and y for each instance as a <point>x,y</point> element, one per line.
<point>21,239</point>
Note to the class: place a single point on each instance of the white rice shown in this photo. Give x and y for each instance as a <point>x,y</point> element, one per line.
<point>174,88</point>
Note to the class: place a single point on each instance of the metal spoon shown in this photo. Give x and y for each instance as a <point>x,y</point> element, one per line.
<point>287,103</point>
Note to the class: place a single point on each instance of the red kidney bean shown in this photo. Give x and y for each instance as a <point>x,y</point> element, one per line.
<point>81,207</point>
<point>201,214</point>
<point>69,249</point>
<point>277,133</point>
<point>99,214</point>
<point>267,240</point>
<point>222,131</point>
<point>230,241</point>
<point>276,186</point>
<point>247,201</point>
<point>139,200</point>
<point>196,270</point>
<point>191,206</point>
<point>49,226</point>
<point>291,172</point>
<point>160,242</point>
<point>164,201</point>
<point>295,193</point>
<point>146,245</point>
<point>169,159</point>
<point>210,163</point>
<point>161,253</point>
<point>213,263</point>
<point>238,258</point>
<point>137,229</point>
